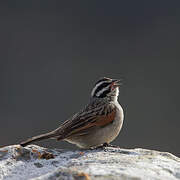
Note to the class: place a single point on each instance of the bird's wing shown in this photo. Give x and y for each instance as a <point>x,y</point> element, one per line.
<point>86,120</point>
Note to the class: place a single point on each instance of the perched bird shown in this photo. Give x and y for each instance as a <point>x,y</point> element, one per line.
<point>96,124</point>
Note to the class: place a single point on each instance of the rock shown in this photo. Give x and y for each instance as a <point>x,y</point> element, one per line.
<point>38,163</point>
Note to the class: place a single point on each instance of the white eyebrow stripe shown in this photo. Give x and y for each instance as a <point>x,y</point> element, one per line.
<point>97,85</point>
<point>102,90</point>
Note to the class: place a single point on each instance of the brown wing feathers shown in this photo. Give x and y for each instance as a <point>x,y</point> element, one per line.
<point>80,124</point>
<point>95,119</point>
<point>105,120</point>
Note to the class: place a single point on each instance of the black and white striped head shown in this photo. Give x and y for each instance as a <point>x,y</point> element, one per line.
<point>106,87</point>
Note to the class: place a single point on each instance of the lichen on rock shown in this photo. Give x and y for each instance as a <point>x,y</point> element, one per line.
<point>34,162</point>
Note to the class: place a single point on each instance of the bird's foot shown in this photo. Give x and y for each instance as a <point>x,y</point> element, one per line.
<point>110,145</point>
<point>103,146</point>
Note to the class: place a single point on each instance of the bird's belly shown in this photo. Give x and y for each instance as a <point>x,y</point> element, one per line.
<point>101,135</point>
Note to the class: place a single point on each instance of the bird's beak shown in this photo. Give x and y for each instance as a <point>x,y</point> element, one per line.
<point>117,82</point>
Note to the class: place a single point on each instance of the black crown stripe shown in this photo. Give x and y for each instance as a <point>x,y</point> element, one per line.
<point>101,80</point>
<point>99,88</point>
<point>104,93</point>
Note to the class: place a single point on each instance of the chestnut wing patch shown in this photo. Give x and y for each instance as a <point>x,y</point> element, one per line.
<point>97,121</point>
<point>104,120</point>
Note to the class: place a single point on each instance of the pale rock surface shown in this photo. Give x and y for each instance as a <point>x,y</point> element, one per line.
<point>38,163</point>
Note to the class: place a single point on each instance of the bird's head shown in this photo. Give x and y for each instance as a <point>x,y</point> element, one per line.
<point>106,88</point>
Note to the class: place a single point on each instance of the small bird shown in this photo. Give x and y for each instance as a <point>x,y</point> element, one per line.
<point>97,124</point>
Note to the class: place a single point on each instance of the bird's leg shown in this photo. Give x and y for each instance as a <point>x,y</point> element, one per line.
<point>110,145</point>
<point>103,146</point>
<point>98,147</point>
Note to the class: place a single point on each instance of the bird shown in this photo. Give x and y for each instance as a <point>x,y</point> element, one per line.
<point>97,124</point>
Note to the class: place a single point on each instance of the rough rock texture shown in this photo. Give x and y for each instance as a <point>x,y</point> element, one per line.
<point>34,162</point>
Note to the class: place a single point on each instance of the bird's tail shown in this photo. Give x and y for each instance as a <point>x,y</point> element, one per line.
<point>39,138</point>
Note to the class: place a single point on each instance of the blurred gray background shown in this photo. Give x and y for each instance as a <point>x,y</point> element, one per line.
<point>52,52</point>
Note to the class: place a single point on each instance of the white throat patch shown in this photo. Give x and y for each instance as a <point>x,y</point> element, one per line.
<point>117,94</point>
